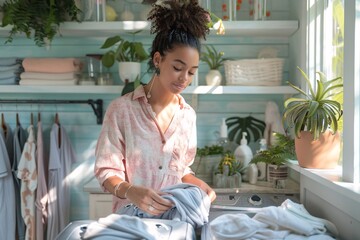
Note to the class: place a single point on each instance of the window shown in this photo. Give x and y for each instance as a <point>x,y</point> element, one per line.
<point>333,47</point>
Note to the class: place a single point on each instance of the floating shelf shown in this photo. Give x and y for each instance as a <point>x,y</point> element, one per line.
<point>232,28</point>
<point>118,88</point>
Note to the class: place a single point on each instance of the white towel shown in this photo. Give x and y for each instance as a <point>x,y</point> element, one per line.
<point>273,122</point>
<point>300,211</point>
<point>33,82</point>
<point>48,76</point>
<point>270,223</point>
<point>240,226</point>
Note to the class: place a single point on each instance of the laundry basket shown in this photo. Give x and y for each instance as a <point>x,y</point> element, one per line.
<point>254,72</point>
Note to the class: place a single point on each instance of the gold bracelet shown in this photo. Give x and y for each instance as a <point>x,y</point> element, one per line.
<point>127,190</point>
<point>116,188</point>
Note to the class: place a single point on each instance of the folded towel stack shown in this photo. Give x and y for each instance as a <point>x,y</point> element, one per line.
<point>50,71</point>
<point>10,69</point>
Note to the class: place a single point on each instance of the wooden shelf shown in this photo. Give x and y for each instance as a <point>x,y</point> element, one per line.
<point>118,88</point>
<point>232,28</point>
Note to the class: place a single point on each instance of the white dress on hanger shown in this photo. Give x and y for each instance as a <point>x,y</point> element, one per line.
<point>28,175</point>
<point>60,161</point>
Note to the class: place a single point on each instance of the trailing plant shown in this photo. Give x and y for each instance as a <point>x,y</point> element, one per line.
<point>213,58</point>
<point>39,19</point>
<point>210,150</point>
<point>317,110</point>
<point>123,51</point>
<point>279,153</point>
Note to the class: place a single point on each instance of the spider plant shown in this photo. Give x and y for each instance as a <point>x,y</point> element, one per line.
<point>316,111</point>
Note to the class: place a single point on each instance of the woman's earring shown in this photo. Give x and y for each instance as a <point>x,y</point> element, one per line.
<point>157,71</point>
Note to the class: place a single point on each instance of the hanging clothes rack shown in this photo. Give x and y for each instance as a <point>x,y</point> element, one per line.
<point>96,105</point>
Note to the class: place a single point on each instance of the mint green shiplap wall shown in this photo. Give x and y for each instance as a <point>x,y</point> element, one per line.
<point>80,122</point>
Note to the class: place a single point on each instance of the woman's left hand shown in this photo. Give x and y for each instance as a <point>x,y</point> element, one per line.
<point>189,178</point>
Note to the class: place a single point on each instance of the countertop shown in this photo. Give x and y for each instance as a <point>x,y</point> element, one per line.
<point>260,187</point>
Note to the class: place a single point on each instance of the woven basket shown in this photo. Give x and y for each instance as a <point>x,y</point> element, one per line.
<point>254,72</point>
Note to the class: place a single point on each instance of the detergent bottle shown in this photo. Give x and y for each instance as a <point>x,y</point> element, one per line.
<point>244,154</point>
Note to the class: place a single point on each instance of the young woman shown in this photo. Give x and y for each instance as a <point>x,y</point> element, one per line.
<point>148,138</point>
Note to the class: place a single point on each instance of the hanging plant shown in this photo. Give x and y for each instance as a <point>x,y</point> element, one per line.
<point>38,19</point>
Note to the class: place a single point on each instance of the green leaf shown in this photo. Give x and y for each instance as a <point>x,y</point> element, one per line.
<point>111,41</point>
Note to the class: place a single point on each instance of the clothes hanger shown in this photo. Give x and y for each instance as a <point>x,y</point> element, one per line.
<point>17,120</point>
<point>57,121</point>
<point>31,118</point>
<point>3,124</point>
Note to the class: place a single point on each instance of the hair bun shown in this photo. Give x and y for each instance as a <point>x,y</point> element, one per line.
<point>186,15</point>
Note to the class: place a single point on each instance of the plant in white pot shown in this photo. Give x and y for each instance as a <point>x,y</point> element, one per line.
<point>214,60</point>
<point>129,54</point>
<point>314,118</point>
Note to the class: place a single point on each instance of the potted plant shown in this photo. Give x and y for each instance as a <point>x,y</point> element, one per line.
<point>206,160</point>
<point>39,18</point>
<point>129,54</point>
<point>214,60</point>
<point>276,157</point>
<point>228,172</point>
<point>314,118</point>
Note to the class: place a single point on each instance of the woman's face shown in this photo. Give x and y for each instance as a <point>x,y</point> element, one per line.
<point>177,68</point>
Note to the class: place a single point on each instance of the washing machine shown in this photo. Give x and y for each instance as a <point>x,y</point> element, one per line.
<point>247,203</point>
<point>167,229</point>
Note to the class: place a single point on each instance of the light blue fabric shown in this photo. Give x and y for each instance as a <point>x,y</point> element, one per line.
<point>191,205</point>
<point>7,196</point>
<point>8,61</point>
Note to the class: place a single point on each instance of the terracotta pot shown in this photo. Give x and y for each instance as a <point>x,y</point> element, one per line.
<point>213,78</point>
<point>322,153</point>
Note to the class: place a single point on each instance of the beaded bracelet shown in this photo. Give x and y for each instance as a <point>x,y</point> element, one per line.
<point>127,190</point>
<point>116,188</point>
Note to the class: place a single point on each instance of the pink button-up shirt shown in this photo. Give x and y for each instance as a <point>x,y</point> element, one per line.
<point>132,146</point>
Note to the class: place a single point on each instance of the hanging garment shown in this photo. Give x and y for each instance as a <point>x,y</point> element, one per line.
<point>20,137</point>
<point>27,174</point>
<point>7,201</point>
<point>41,192</point>
<point>60,161</point>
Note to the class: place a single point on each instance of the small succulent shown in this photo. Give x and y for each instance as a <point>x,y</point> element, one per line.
<point>213,58</point>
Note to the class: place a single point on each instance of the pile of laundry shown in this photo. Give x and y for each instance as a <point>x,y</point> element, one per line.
<point>288,221</point>
<point>10,69</point>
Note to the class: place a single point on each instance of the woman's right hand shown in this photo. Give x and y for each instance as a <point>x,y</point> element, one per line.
<point>148,200</point>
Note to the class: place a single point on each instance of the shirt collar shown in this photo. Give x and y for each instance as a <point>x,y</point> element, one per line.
<point>139,93</point>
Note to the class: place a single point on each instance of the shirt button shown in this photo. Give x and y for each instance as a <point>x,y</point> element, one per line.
<point>160,167</point>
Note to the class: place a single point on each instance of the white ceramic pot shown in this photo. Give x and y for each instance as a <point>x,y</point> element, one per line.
<point>213,78</point>
<point>129,70</point>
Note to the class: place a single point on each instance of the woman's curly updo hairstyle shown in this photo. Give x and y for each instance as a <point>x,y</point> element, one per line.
<point>177,22</point>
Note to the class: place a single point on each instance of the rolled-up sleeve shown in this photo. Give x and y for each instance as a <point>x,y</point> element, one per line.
<point>110,147</point>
